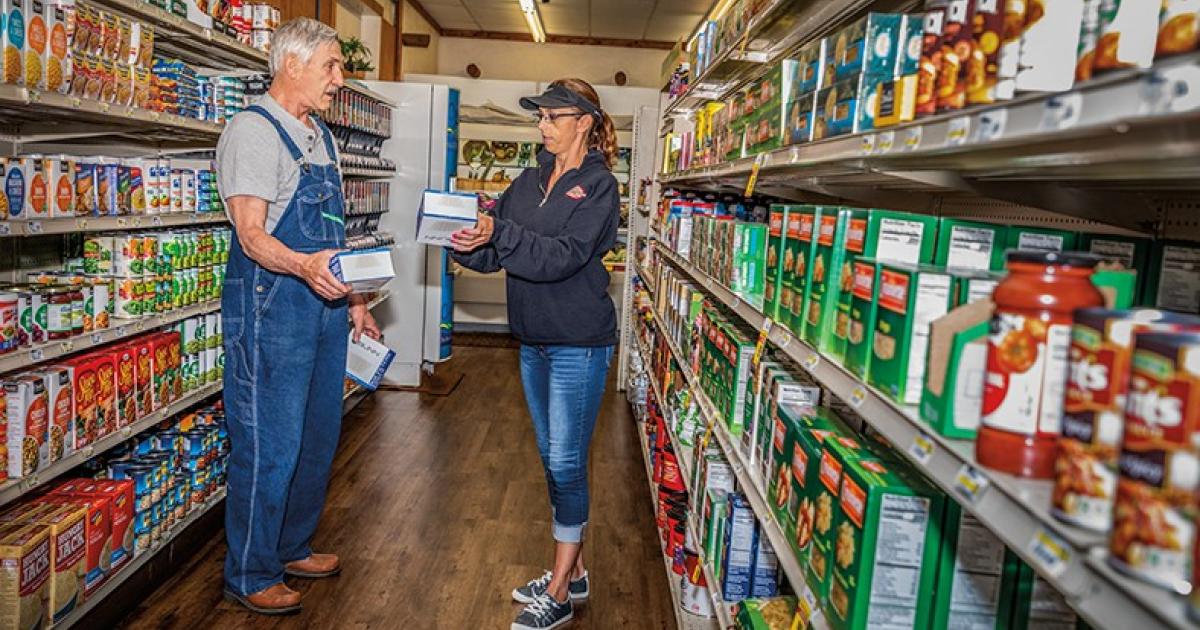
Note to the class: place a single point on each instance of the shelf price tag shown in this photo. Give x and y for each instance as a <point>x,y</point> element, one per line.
<point>887,141</point>
<point>1171,90</point>
<point>97,339</point>
<point>75,102</point>
<point>970,483</point>
<point>959,130</point>
<point>35,96</point>
<point>991,125</point>
<point>37,354</point>
<point>105,107</point>
<point>858,396</point>
<point>867,144</point>
<point>921,448</point>
<point>88,451</point>
<point>156,221</point>
<point>912,138</point>
<point>763,333</point>
<point>1063,111</point>
<point>808,612</point>
<point>812,361</point>
<point>5,229</point>
<point>33,227</point>
<point>1050,551</point>
<point>758,162</point>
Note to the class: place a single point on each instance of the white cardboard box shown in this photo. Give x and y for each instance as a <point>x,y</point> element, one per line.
<point>364,270</point>
<point>367,361</point>
<point>442,214</point>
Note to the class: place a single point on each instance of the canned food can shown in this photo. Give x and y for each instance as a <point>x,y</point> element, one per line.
<point>31,314</point>
<point>189,190</point>
<point>101,303</point>
<point>78,311</point>
<point>98,254</point>
<point>143,477</point>
<point>149,254</point>
<point>261,39</point>
<point>10,313</point>
<point>143,531</point>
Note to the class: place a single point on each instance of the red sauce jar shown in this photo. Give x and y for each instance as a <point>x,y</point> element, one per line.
<point>1028,359</point>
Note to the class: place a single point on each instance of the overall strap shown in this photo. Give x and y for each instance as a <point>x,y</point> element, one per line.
<point>297,155</point>
<point>330,150</point>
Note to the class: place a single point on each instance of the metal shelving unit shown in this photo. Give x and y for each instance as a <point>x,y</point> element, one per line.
<point>73,225</point>
<point>185,38</point>
<point>355,171</point>
<point>1016,510</point>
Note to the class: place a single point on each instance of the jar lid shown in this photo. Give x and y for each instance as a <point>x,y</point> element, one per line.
<point>1071,259</point>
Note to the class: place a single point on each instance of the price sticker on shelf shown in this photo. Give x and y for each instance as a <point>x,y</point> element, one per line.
<point>33,227</point>
<point>75,102</point>
<point>867,144</point>
<point>921,448</point>
<point>707,437</point>
<point>1063,111</point>
<point>753,179</point>
<point>5,229</point>
<point>35,96</point>
<point>1171,90</point>
<point>991,125</point>
<point>105,107</point>
<point>807,610</point>
<point>811,361</point>
<point>958,131</point>
<point>155,116</point>
<point>156,221</point>
<point>88,451</point>
<point>67,346</point>
<point>122,331</point>
<point>1050,551</point>
<point>886,142</point>
<point>912,138</point>
<point>763,333</point>
<point>37,354</point>
<point>858,396</point>
<point>97,339</point>
<point>33,482</point>
<point>970,483</point>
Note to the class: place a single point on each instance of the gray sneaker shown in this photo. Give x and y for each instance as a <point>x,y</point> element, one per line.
<point>579,590</point>
<point>544,614</point>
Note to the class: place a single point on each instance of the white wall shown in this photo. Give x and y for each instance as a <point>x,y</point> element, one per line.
<point>526,61</point>
<point>419,60</point>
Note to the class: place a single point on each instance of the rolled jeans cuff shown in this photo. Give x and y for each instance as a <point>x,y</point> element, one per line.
<point>572,534</point>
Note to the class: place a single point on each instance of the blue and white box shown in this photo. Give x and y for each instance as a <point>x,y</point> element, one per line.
<point>367,361</point>
<point>364,270</point>
<point>442,214</point>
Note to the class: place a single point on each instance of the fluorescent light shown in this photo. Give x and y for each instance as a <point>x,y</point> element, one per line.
<point>534,19</point>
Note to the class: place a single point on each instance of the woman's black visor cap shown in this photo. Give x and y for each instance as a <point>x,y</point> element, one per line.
<point>559,96</point>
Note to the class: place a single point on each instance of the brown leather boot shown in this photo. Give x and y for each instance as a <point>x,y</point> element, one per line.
<point>318,565</point>
<point>276,599</point>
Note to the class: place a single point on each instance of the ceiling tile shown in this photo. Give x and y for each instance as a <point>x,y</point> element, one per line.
<point>561,20</point>
<point>500,19</point>
<point>669,29</point>
<point>448,16</point>
<point>685,6</point>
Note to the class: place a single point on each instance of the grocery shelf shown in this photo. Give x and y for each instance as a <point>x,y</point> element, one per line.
<point>177,35</point>
<point>12,490</point>
<point>357,86</point>
<point>1091,152</point>
<point>115,582</point>
<point>120,329</point>
<point>378,299</point>
<point>74,225</point>
<point>356,171</point>
<point>1016,510</point>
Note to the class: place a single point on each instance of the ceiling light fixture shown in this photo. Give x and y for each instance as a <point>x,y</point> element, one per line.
<point>534,19</point>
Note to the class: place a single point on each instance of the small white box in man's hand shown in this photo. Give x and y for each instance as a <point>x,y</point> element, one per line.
<point>365,269</point>
<point>367,361</point>
<point>442,214</point>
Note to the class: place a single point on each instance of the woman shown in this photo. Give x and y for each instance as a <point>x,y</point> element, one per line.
<point>549,232</point>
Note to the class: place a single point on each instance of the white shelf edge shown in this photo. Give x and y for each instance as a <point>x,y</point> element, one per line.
<point>73,225</point>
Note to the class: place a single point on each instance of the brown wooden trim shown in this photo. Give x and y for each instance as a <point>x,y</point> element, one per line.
<point>560,39</point>
<point>416,5</point>
<point>327,12</point>
<point>416,40</point>
<point>397,73</point>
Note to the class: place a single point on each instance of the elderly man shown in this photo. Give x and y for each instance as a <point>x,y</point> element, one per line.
<point>285,320</point>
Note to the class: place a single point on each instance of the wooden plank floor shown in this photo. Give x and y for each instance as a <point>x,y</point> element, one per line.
<point>438,509</point>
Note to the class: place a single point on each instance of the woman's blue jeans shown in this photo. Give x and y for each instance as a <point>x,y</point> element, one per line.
<point>563,388</point>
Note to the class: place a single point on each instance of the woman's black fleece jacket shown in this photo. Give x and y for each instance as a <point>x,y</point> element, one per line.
<point>551,244</point>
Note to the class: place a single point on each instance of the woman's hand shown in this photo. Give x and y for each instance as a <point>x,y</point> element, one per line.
<point>471,238</point>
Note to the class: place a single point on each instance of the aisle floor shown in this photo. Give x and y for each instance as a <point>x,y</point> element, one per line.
<point>438,509</point>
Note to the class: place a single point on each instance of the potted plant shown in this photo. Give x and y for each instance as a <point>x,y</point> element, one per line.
<point>357,58</point>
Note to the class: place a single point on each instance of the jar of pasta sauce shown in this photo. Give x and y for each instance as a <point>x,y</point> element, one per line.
<point>1028,358</point>
<point>59,312</point>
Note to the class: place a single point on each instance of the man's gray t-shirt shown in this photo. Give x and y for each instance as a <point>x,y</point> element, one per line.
<point>253,160</point>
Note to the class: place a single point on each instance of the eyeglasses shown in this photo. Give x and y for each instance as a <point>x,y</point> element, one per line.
<point>554,116</point>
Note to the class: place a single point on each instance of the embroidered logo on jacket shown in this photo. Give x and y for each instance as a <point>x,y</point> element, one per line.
<point>576,193</point>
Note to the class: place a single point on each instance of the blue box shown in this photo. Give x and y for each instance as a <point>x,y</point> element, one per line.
<point>866,46</point>
<point>764,580</point>
<point>741,531</point>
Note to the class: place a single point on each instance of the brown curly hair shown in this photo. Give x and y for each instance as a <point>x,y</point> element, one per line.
<point>603,136</point>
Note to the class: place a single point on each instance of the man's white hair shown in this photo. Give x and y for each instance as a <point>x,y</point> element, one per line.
<point>300,37</point>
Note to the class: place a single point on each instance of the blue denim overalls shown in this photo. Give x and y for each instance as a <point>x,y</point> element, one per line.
<point>285,359</point>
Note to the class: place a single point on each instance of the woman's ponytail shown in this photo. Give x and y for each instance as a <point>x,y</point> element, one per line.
<point>603,136</point>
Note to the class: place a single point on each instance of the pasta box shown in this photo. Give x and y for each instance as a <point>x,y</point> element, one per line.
<point>860,326</point>
<point>802,250</point>
<point>970,245</point>
<point>1173,279</point>
<point>1040,239</point>
<point>983,65</point>
<point>1039,605</point>
<point>874,577</point>
<point>772,613</point>
<point>837,451</point>
<point>830,272</point>
<point>779,484</point>
<point>60,402</point>
<point>910,298</point>
<point>978,576</point>
<point>866,46</point>
<point>776,241</point>
<point>952,396</point>
<point>886,236</point>
<point>810,71</point>
<point>98,531</point>
<point>748,275</point>
<point>780,388</point>
<point>1126,252</point>
<point>808,434</point>
<point>847,106</point>
<point>741,531</point>
<point>25,573</point>
<point>68,557</point>
<point>801,118</point>
<point>715,510</point>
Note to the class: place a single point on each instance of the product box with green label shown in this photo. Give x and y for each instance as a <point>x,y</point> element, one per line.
<point>977,576</point>
<point>779,483</point>
<point>827,278</point>
<point>887,236</point>
<point>764,613</point>
<point>790,249</point>
<point>1038,605</point>
<point>1173,280</point>
<point>860,328</point>
<point>810,432</point>
<point>952,396</point>
<point>887,537</point>
<point>1130,252</point>
<point>715,510</point>
<point>748,273</point>
<point>970,245</point>
<point>807,218</point>
<point>836,453</point>
<point>973,286</point>
<point>910,298</point>
<point>776,240</point>
<point>780,388</point>
<point>1041,239</point>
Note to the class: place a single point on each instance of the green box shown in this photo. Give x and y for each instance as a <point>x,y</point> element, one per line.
<point>977,576</point>
<point>1041,239</point>
<point>827,279</point>
<point>974,286</point>
<point>1130,251</point>
<point>970,245</point>
<point>785,426</point>
<point>888,533</point>
<point>1119,286</point>
<point>757,613</point>
<point>910,297</point>
<point>1173,282</point>
<point>810,432</point>
<point>1038,605</point>
<point>715,510</point>
<point>860,329</point>
<point>748,275</point>
<point>883,235</point>
<point>776,241</point>
<point>803,252</point>
<point>952,396</point>
<point>837,451</point>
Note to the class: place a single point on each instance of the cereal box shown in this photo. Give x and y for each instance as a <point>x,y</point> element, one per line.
<point>120,496</point>
<point>58,57</point>
<point>1128,34</point>
<point>98,531</point>
<point>830,274</point>
<point>13,41</point>
<point>1178,28</point>
<point>106,390</point>
<point>836,452</point>
<point>978,575</point>
<point>144,371</point>
<point>1153,529</point>
<point>910,298</point>
<point>60,184</point>
<point>126,371</point>
<point>68,557</point>
<point>970,245</point>
<point>1049,43</point>
<point>35,43</point>
<point>24,575</point>
<point>887,543</point>
<point>37,185</point>
<point>931,58</point>
<point>28,430</point>
<point>1093,411</point>
<point>61,404</point>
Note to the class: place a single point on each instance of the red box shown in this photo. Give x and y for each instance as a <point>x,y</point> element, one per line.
<point>106,402</point>
<point>125,358</point>
<point>160,366</point>
<point>176,376</point>
<point>144,370</point>
<point>87,392</point>
<point>120,497</point>
<point>98,527</point>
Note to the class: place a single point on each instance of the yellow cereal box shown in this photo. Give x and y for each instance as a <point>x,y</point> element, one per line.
<point>24,577</point>
<point>68,554</point>
<point>58,50</point>
<point>13,40</point>
<point>35,43</point>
